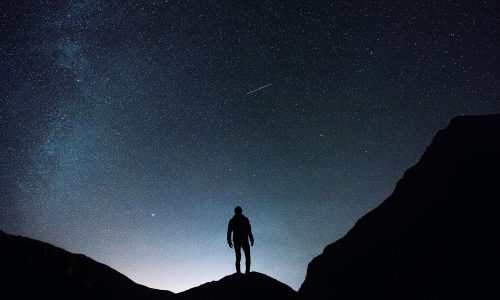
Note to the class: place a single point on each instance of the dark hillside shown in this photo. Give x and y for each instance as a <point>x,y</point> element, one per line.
<point>436,237</point>
<point>31,269</point>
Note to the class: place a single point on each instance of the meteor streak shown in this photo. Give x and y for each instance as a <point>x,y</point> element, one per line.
<point>258,89</point>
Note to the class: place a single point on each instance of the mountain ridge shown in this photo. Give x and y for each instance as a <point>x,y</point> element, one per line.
<point>418,232</point>
<point>436,236</point>
<point>55,273</point>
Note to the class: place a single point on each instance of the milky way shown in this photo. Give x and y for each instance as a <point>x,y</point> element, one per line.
<point>129,130</point>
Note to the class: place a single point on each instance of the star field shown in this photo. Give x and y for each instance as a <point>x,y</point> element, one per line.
<point>129,130</point>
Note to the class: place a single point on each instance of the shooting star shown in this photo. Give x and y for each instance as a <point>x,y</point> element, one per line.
<point>261,88</point>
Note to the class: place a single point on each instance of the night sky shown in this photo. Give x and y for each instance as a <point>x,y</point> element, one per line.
<point>129,130</point>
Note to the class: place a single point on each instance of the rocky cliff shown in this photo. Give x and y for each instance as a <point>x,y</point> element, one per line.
<point>436,237</point>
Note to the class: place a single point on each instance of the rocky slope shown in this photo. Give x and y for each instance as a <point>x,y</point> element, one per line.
<point>238,286</point>
<point>31,269</point>
<point>436,237</point>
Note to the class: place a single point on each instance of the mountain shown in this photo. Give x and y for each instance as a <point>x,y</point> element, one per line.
<point>436,237</point>
<point>238,286</point>
<point>31,269</point>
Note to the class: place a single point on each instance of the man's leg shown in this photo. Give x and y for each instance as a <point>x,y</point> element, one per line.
<point>237,249</point>
<point>246,250</point>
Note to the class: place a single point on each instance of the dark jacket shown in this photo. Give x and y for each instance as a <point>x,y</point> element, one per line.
<point>240,227</point>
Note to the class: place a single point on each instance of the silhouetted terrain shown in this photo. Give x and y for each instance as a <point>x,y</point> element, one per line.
<point>239,286</point>
<point>31,269</point>
<point>435,237</point>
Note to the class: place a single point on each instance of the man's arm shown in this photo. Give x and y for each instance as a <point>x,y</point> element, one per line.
<point>250,235</point>
<point>229,231</point>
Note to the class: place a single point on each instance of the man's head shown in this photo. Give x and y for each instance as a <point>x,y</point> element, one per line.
<point>238,210</point>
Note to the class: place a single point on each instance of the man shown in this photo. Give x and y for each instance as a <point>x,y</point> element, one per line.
<point>240,227</point>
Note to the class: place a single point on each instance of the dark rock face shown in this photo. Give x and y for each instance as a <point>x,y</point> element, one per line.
<point>238,286</point>
<point>32,269</point>
<point>436,237</point>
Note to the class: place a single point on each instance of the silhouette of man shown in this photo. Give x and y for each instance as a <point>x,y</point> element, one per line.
<point>239,226</point>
